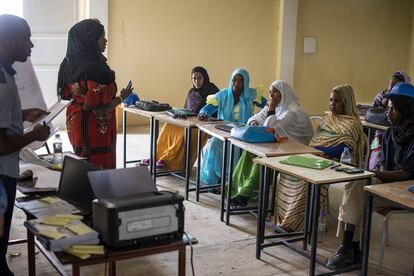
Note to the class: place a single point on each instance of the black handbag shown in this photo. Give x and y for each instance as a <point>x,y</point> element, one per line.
<point>152,106</point>
<point>377,115</point>
<point>180,113</point>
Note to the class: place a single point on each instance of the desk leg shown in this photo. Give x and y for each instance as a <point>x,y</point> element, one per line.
<point>199,140</point>
<point>229,185</point>
<point>223,181</point>
<point>181,261</point>
<point>124,119</point>
<point>154,149</point>
<point>366,233</point>
<point>306,226</point>
<point>31,253</point>
<point>112,268</point>
<point>75,270</point>
<point>315,216</point>
<point>151,144</point>
<point>187,161</point>
<point>260,217</point>
<point>266,191</point>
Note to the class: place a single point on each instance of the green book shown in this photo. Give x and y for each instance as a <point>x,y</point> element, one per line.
<point>307,162</point>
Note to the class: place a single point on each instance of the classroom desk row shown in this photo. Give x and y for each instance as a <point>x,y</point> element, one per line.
<point>269,156</point>
<point>262,150</point>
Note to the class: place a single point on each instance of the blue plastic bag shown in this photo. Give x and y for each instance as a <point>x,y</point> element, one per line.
<point>254,134</point>
<point>411,188</point>
<point>131,99</point>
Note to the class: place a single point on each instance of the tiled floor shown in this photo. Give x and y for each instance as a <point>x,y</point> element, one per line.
<point>229,250</point>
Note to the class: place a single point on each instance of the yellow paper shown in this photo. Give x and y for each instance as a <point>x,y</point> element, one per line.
<point>55,221</point>
<point>69,216</point>
<point>50,199</point>
<point>79,229</point>
<point>91,249</point>
<point>82,256</point>
<point>51,234</point>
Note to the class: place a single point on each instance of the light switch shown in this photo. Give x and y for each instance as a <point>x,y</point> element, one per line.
<point>309,45</point>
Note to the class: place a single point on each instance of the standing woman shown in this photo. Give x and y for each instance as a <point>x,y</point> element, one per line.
<point>86,79</point>
<point>170,144</point>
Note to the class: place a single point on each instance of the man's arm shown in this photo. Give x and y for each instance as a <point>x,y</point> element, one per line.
<point>392,176</point>
<point>10,144</point>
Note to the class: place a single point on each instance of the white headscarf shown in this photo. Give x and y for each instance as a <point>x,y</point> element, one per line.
<point>290,120</point>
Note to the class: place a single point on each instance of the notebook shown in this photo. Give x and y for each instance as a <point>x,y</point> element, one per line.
<point>121,182</point>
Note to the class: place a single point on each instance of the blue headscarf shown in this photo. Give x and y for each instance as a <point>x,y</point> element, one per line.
<point>226,100</point>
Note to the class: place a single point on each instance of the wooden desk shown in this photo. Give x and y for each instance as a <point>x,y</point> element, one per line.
<point>396,193</point>
<point>188,124</point>
<point>316,179</point>
<point>223,136</point>
<point>143,113</point>
<point>59,259</point>
<point>283,148</point>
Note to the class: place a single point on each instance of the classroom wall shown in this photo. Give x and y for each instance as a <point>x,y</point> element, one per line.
<point>156,43</point>
<point>358,42</point>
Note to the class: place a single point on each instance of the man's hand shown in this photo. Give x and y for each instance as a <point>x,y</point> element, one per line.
<point>33,114</point>
<point>253,123</point>
<point>42,132</point>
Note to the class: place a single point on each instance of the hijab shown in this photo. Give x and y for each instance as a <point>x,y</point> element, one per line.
<point>84,60</point>
<point>291,120</point>
<point>196,97</point>
<point>398,76</point>
<point>345,128</point>
<point>226,99</point>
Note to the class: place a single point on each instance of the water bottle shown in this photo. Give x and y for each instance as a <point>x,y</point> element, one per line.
<point>322,226</point>
<point>57,150</point>
<point>346,157</point>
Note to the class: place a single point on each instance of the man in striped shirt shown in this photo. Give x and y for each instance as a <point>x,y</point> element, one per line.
<point>15,45</point>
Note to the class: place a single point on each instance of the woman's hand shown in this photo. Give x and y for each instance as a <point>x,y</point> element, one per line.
<point>273,102</point>
<point>125,92</point>
<point>202,117</point>
<point>253,123</point>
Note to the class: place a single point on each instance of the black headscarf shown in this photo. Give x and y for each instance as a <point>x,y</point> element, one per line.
<point>84,60</point>
<point>196,98</point>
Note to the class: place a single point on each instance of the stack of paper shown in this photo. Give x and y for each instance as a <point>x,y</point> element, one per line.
<point>85,251</point>
<point>61,232</point>
<point>47,206</point>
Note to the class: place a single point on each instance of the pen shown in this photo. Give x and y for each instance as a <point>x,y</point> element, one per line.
<point>335,166</point>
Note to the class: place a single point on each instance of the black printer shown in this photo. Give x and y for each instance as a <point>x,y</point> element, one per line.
<point>140,219</point>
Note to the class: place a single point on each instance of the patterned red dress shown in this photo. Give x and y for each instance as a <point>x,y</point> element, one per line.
<point>92,135</point>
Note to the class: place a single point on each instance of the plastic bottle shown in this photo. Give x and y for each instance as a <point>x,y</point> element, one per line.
<point>57,150</point>
<point>346,157</point>
<point>322,226</point>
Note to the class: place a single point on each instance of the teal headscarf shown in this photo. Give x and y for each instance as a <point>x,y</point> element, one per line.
<point>226,100</point>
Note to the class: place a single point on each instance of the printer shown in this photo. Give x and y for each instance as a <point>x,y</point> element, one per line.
<point>139,219</point>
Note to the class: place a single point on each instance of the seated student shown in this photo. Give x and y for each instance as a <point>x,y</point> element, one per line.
<point>381,101</point>
<point>282,113</point>
<point>397,164</point>
<point>234,104</point>
<point>170,144</point>
<point>339,129</point>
